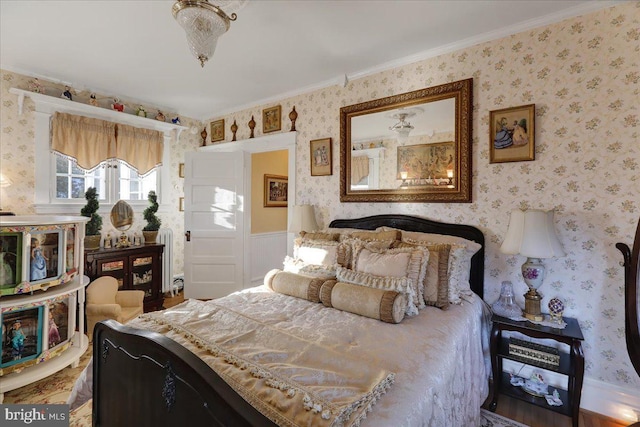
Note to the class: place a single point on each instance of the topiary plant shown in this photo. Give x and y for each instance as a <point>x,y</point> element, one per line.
<point>153,222</point>
<point>94,225</point>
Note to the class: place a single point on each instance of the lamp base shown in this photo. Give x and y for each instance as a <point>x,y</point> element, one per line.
<point>532,309</point>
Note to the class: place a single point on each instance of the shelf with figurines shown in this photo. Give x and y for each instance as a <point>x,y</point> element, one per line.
<point>115,110</point>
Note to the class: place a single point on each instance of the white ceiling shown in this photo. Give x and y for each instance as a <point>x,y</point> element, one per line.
<point>134,49</point>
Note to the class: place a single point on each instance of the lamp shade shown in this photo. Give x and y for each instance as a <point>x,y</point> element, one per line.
<point>303,219</point>
<point>532,234</point>
<point>4,181</point>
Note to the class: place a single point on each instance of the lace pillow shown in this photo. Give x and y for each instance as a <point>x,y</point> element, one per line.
<point>292,265</point>
<point>399,262</point>
<point>388,306</point>
<point>459,272</point>
<point>316,252</point>
<point>403,285</point>
<point>294,285</point>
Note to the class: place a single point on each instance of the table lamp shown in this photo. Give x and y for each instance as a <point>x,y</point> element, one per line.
<point>303,219</point>
<point>532,234</point>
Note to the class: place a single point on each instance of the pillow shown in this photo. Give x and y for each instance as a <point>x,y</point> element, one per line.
<point>386,236</point>
<point>316,252</point>
<point>459,273</point>
<point>295,285</point>
<point>417,236</point>
<point>388,306</point>
<point>403,285</point>
<point>320,236</point>
<point>436,280</point>
<point>399,262</point>
<point>293,265</point>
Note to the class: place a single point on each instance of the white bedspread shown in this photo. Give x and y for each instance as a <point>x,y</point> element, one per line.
<point>437,356</point>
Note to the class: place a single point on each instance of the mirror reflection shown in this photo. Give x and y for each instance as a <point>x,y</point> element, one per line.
<point>122,216</point>
<point>409,147</point>
<point>403,147</point>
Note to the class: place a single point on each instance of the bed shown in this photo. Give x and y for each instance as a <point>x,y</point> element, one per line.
<point>431,369</point>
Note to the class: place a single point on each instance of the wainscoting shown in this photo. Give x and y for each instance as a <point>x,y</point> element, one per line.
<point>267,252</point>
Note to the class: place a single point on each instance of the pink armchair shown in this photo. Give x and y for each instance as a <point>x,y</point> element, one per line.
<point>105,301</point>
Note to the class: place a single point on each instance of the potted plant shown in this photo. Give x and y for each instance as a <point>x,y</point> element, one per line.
<point>150,231</point>
<point>94,225</point>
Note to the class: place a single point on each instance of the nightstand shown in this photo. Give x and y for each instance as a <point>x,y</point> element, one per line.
<point>571,364</point>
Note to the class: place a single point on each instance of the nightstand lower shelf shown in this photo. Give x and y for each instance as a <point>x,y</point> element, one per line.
<point>518,393</point>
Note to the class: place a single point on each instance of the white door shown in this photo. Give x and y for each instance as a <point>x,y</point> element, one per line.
<point>214,224</point>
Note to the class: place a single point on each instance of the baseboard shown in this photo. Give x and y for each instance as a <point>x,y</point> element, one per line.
<point>619,403</point>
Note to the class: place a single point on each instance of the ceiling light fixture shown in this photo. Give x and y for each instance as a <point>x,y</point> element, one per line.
<point>403,127</point>
<point>204,23</point>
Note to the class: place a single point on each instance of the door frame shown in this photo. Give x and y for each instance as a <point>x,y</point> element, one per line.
<point>262,144</point>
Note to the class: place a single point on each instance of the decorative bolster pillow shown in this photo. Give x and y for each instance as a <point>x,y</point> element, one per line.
<point>388,306</point>
<point>295,285</point>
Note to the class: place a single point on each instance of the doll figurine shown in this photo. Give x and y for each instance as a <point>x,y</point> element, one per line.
<point>93,100</point>
<point>160,117</point>
<point>117,105</point>
<point>67,93</point>
<point>141,111</point>
<point>176,120</point>
<point>36,86</point>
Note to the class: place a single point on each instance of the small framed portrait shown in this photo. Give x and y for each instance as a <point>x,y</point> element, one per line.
<point>181,204</point>
<point>217,130</point>
<point>21,335</point>
<point>181,170</point>
<point>276,190</point>
<point>512,134</point>
<point>271,119</point>
<point>321,159</point>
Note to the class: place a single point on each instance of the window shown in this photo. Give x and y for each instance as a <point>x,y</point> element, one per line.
<point>60,184</point>
<point>113,180</point>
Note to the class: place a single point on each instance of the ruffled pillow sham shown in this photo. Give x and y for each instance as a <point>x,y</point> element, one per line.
<point>435,286</point>
<point>398,262</point>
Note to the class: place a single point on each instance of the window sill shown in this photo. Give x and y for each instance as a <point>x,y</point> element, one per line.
<point>104,210</point>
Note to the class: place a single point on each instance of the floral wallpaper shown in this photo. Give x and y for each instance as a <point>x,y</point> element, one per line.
<point>582,73</point>
<point>17,155</point>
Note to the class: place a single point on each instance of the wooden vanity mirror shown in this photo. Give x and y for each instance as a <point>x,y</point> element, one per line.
<point>412,147</point>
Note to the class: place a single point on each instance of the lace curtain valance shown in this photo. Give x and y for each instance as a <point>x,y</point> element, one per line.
<point>92,141</point>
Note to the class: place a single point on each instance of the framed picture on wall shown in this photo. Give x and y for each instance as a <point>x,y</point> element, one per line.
<point>321,159</point>
<point>512,134</point>
<point>217,130</point>
<point>271,119</point>
<point>275,191</point>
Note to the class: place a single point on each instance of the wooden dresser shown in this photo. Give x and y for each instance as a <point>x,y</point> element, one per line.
<point>135,267</point>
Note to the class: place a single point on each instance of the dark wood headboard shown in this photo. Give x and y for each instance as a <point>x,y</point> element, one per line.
<point>414,223</point>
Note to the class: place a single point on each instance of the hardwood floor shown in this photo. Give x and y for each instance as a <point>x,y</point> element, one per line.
<point>534,416</point>
<point>514,409</point>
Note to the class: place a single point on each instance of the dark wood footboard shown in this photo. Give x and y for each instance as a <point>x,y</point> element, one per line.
<point>142,378</point>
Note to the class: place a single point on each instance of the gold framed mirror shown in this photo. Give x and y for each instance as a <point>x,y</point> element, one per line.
<point>412,147</point>
<point>122,216</point>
